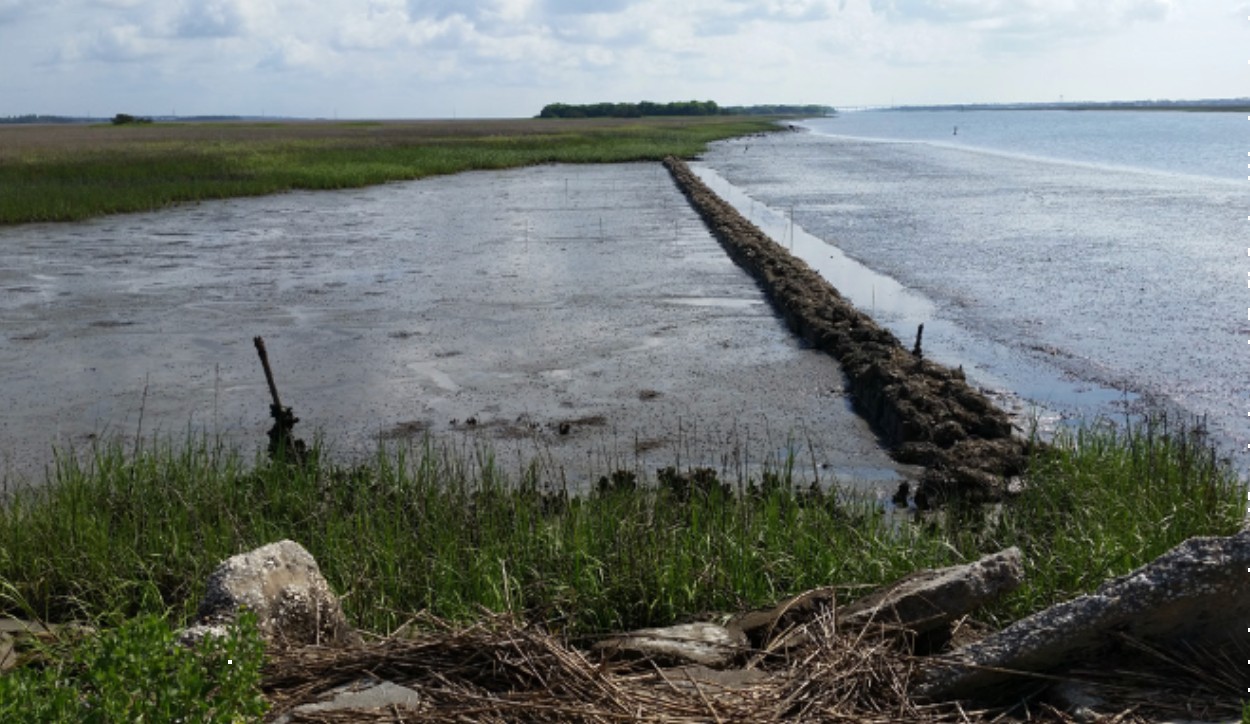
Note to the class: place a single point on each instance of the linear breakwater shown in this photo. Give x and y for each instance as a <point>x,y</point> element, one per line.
<point>924,412</point>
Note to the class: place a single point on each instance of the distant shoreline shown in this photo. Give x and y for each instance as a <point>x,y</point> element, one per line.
<point>1238,106</point>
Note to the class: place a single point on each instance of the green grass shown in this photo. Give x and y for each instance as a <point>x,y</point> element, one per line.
<point>158,166</point>
<point>1107,500</point>
<point>436,530</point>
<point>446,532</point>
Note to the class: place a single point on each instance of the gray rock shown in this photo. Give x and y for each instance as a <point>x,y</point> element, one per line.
<point>10,630</point>
<point>929,600</point>
<point>283,586</point>
<point>362,696</point>
<point>697,643</point>
<point>16,635</point>
<point>1196,594</point>
<point>922,602</point>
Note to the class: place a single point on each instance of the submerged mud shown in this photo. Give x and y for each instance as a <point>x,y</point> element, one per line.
<point>925,412</point>
<point>561,322</point>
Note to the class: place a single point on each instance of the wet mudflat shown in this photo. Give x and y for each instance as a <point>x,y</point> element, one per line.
<point>577,318</point>
<point>1087,291</point>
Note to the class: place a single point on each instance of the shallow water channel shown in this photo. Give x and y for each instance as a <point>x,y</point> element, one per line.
<point>580,319</point>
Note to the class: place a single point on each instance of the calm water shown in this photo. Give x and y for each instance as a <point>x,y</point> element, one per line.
<point>1201,144</point>
<point>1063,250</point>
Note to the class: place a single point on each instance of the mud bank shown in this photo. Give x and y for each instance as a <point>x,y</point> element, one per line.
<point>924,412</point>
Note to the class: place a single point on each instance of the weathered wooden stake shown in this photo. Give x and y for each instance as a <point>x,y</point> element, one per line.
<point>282,442</point>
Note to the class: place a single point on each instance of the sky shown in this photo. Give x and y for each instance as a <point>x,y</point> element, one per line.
<point>509,58</point>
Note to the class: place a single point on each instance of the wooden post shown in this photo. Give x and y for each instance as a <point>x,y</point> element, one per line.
<point>282,442</point>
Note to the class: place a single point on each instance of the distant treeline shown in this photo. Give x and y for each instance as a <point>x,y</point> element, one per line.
<point>679,108</point>
<point>780,110</point>
<point>124,118</point>
<point>35,118</point>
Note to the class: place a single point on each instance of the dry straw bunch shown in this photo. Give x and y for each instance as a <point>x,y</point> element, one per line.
<point>499,671</point>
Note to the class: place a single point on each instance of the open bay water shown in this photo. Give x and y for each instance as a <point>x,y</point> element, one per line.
<point>1200,144</point>
<point>1061,251</point>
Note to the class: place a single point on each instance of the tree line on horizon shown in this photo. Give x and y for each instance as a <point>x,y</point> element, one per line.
<point>678,108</point>
<point>37,118</point>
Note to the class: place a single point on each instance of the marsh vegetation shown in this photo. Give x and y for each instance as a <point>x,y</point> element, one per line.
<point>440,535</point>
<point>67,173</point>
<point>443,530</point>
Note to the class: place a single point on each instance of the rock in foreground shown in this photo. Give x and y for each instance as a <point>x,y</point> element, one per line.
<point>1195,595</point>
<point>924,602</point>
<point>706,644</point>
<point>282,584</point>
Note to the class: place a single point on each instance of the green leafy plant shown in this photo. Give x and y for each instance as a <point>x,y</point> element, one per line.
<point>139,672</point>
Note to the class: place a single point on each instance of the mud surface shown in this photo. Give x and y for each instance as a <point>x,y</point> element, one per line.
<point>926,411</point>
<point>1036,394</point>
<point>1088,291</point>
<point>579,318</point>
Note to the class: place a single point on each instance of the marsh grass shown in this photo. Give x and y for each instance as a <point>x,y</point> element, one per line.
<point>428,528</point>
<point>436,530</point>
<point>1105,500</point>
<point>74,173</point>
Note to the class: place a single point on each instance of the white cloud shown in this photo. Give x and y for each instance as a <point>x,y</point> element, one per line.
<point>509,57</point>
<point>796,10</point>
<point>586,7</point>
<point>477,11</point>
<point>291,53</point>
<point>119,44</point>
<point>390,29</point>
<point>13,10</point>
<point>611,31</point>
<point>439,9</point>
<point>1025,15</point>
<point>214,19</point>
